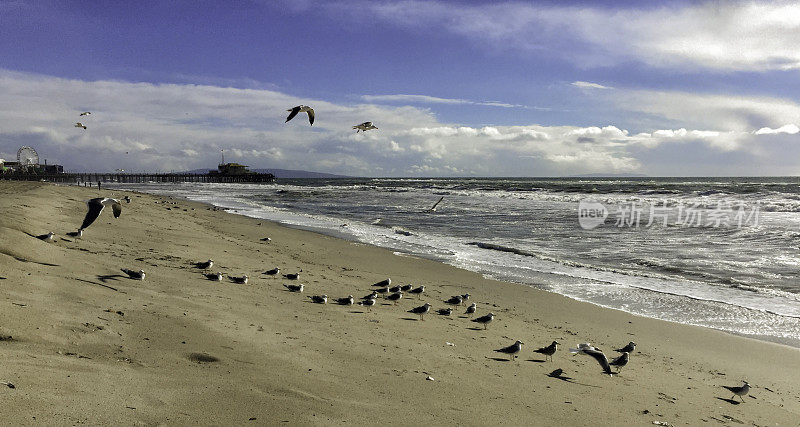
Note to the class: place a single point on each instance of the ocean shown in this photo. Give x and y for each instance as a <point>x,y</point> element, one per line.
<point>721,253</point>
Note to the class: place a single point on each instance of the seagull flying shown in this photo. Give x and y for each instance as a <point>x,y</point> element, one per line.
<point>85,113</point>
<point>485,320</point>
<point>739,391</point>
<point>582,346</point>
<point>135,275</point>
<point>421,310</point>
<point>550,350</point>
<point>80,125</point>
<point>511,350</point>
<point>433,208</point>
<point>301,109</point>
<point>599,357</point>
<point>364,127</point>
<point>96,206</point>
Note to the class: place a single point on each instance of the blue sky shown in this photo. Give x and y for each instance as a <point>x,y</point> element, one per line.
<point>456,87</point>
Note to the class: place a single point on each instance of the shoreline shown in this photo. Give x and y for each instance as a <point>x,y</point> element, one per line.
<point>336,233</point>
<point>281,358</point>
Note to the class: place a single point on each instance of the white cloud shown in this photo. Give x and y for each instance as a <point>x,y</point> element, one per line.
<point>425,99</point>
<point>790,129</point>
<point>752,36</point>
<point>589,85</point>
<point>140,126</point>
<point>725,112</point>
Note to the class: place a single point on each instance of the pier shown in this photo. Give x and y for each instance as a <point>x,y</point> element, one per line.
<point>93,177</point>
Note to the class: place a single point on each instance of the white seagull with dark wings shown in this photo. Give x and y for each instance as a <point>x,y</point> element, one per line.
<point>364,127</point>
<point>96,206</point>
<point>301,109</point>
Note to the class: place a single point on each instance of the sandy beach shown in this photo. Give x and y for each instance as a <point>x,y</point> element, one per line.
<point>84,344</point>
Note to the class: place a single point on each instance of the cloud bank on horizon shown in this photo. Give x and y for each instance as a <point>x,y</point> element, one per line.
<point>599,121</point>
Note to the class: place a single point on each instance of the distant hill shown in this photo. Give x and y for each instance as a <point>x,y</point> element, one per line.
<point>609,175</point>
<point>284,173</point>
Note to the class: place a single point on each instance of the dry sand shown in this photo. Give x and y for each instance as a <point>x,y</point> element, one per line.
<point>91,346</point>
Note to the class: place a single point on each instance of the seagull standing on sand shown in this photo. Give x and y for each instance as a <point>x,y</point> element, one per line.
<point>368,302</point>
<point>301,109</point>
<point>49,237</point>
<point>485,320</point>
<point>345,301</point>
<point>471,309</point>
<point>406,288</point>
<point>80,125</point>
<point>273,272</point>
<point>135,275</point>
<point>384,282</point>
<point>395,289</point>
<point>364,127</point>
<point>421,310</point>
<point>240,280</point>
<point>418,291</point>
<point>628,348</point>
<point>550,350</point>
<point>511,350</point>
<point>739,391</point>
<point>455,300</point>
<point>75,234</point>
<point>96,206</point>
<point>127,199</point>
<point>620,361</point>
<point>204,265</point>
<point>445,311</point>
<point>292,276</point>
<point>373,295</point>
<point>395,297</point>
<point>319,299</point>
<point>465,297</point>
<point>217,277</point>
<point>294,288</point>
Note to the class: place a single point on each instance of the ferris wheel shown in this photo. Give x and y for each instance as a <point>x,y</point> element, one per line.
<point>27,156</point>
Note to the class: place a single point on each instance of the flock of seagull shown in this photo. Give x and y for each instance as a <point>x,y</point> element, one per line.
<point>395,293</point>
<point>363,127</point>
